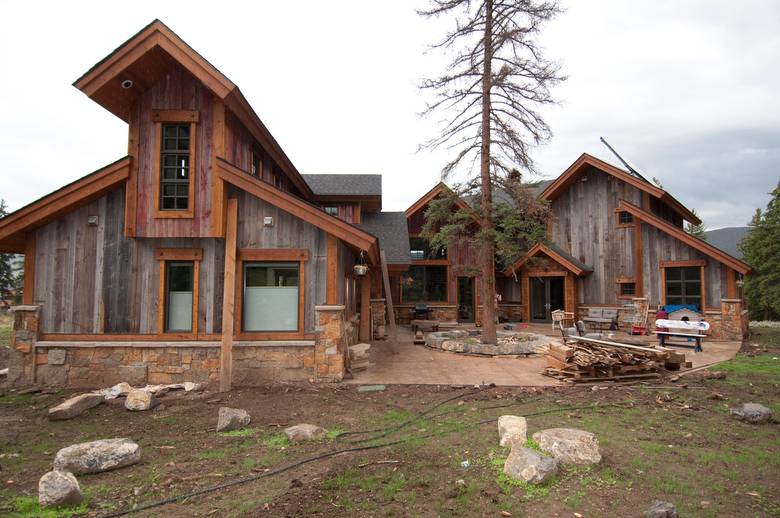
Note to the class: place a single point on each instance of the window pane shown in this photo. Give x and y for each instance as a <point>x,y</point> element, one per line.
<point>169,130</point>
<point>673,289</point>
<point>271,297</point>
<point>691,273</point>
<point>168,203</point>
<point>425,284</point>
<point>673,274</point>
<point>179,296</point>
<point>184,130</point>
<point>182,203</point>
<point>692,288</point>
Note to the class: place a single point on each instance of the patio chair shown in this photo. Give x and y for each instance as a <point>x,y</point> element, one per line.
<point>559,317</point>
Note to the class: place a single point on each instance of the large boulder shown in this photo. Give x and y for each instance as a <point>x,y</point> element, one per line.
<point>75,406</point>
<point>661,509</point>
<point>529,465</point>
<point>232,419</point>
<point>512,430</point>
<point>569,445</point>
<point>58,488</point>
<point>753,413</point>
<point>305,432</point>
<point>97,456</point>
<point>139,399</point>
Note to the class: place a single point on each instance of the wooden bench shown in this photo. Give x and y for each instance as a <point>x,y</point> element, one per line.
<point>425,325</point>
<point>599,318</point>
<point>664,335</point>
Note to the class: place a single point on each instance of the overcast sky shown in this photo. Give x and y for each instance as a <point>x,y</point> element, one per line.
<point>686,91</point>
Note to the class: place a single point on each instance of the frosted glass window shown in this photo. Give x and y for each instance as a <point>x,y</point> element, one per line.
<point>178,303</point>
<point>270,297</point>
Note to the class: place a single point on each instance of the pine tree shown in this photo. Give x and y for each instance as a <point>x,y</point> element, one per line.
<point>490,92</point>
<point>6,269</point>
<point>761,249</point>
<point>699,230</point>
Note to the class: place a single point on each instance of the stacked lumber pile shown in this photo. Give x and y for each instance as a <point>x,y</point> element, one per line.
<point>587,359</point>
<point>358,357</point>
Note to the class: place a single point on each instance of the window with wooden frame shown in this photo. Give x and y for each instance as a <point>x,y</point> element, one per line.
<point>425,283</point>
<point>683,283</point>
<point>271,293</point>
<point>331,210</point>
<point>178,297</point>
<point>174,163</point>
<point>256,168</point>
<point>626,287</point>
<point>624,219</point>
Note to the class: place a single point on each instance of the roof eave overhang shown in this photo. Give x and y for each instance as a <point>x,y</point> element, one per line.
<point>540,248</point>
<point>14,226</point>
<point>676,232</point>
<point>564,180</point>
<point>359,239</point>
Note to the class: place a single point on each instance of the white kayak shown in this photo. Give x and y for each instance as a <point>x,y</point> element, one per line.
<point>682,324</point>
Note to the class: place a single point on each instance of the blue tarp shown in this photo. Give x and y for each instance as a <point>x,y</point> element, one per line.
<point>671,308</point>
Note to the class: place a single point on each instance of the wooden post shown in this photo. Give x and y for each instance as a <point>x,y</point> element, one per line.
<point>28,290</point>
<point>332,262</point>
<point>365,308</point>
<point>228,298</point>
<point>388,297</point>
<point>639,277</point>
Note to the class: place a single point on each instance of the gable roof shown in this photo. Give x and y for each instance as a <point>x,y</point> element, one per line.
<point>358,238</point>
<point>555,253</point>
<point>692,241</point>
<point>146,57</point>
<point>429,196</point>
<point>45,209</point>
<point>393,234</point>
<point>561,183</point>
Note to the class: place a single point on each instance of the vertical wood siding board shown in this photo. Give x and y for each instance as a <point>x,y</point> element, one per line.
<point>97,288</point>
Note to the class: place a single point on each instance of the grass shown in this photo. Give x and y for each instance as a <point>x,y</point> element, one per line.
<point>28,507</point>
<point>276,441</point>
<point>6,325</point>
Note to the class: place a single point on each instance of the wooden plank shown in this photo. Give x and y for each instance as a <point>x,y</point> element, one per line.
<point>639,275</point>
<point>388,297</point>
<point>175,116</point>
<point>28,289</point>
<point>365,308</point>
<point>332,269</point>
<point>218,185</point>
<point>273,254</point>
<point>731,283</point>
<point>228,298</point>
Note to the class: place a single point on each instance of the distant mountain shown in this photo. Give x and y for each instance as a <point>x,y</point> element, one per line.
<point>727,239</point>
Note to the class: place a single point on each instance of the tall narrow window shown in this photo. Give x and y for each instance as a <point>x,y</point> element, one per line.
<point>179,286</point>
<point>271,296</point>
<point>175,167</point>
<point>683,285</point>
<point>255,171</point>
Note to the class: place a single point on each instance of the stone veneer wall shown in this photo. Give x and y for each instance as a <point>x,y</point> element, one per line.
<point>730,323</point>
<point>104,363</point>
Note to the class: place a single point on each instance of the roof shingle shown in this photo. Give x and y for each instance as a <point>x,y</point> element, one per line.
<point>345,184</point>
<point>393,234</point>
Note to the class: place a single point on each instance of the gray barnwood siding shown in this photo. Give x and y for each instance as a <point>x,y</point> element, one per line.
<point>660,246</point>
<point>585,226</point>
<point>91,279</point>
<point>287,232</point>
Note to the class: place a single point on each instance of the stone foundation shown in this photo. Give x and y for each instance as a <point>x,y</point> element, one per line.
<point>102,364</point>
<point>379,319</point>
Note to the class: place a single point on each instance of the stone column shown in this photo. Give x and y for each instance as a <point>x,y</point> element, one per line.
<point>732,324</point>
<point>330,348</point>
<point>378,318</point>
<point>21,363</point>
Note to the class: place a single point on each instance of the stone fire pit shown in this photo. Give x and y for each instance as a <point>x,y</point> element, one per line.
<point>510,343</point>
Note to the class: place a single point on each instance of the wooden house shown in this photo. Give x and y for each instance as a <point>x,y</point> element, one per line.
<point>203,250</point>
<point>205,255</point>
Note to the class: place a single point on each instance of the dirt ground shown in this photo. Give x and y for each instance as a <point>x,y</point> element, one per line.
<point>673,441</point>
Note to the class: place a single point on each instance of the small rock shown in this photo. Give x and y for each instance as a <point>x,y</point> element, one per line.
<point>717,375</point>
<point>232,419</point>
<point>569,445</point>
<point>305,432</point>
<point>529,465</point>
<point>512,430</point>
<point>460,483</point>
<point>716,396</point>
<point>58,488</point>
<point>139,399</point>
<point>75,406</point>
<point>190,386</point>
<point>661,509</point>
<point>97,456</point>
<point>753,413</point>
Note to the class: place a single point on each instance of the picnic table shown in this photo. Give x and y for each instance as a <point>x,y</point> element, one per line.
<point>681,329</point>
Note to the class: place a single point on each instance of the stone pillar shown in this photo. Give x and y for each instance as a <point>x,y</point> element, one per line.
<point>21,363</point>
<point>330,348</point>
<point>378,319</point>
<point>732,325</point>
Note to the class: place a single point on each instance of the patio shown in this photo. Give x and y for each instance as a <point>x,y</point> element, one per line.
<point>404,363</point>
